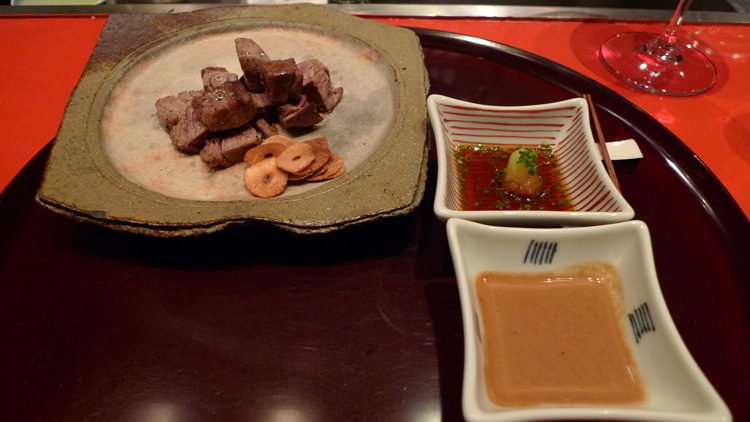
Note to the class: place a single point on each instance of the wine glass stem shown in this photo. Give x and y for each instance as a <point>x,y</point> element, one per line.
<point>669,36</point>
<point>664,48</point>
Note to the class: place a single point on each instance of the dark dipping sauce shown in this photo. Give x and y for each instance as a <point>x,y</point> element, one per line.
<point>480,169</point>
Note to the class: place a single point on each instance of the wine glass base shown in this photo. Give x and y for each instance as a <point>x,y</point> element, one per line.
<point>685,72</point>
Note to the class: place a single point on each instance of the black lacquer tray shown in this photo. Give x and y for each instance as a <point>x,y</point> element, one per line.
<point>359,324</point>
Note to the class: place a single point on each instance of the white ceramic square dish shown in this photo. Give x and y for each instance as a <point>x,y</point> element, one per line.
<point>676,389</point>
<point>563,125</point>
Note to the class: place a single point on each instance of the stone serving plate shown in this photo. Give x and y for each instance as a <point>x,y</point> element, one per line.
<point>113,165</point>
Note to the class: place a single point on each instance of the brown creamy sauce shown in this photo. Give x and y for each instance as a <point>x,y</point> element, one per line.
<point>556,338</point>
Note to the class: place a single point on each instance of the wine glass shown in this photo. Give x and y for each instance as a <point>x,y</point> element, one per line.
<point>659,63</point>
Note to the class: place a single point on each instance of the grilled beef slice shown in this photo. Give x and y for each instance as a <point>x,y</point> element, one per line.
<point>169,110</point>
<point>211,154</point>
<point>316,84</point>
<point>302,114</point>
<point>262,103</point>
<point>226,107</point>
<point>236,143</point>
<point>266,129</point>
<point>190,133</point>
<point>214,77</point>
<point>282,82</point>
<point>251,56</point>
<point>188,96</point>
<point>226,148</point>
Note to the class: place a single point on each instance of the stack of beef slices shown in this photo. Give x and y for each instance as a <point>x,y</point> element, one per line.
<point>232,114</point>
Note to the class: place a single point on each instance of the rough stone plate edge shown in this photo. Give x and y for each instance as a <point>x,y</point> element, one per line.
<point>74,185</point>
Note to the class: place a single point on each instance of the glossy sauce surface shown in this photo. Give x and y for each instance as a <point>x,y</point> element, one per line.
<point>480,170</point>
<point>556,339</point>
